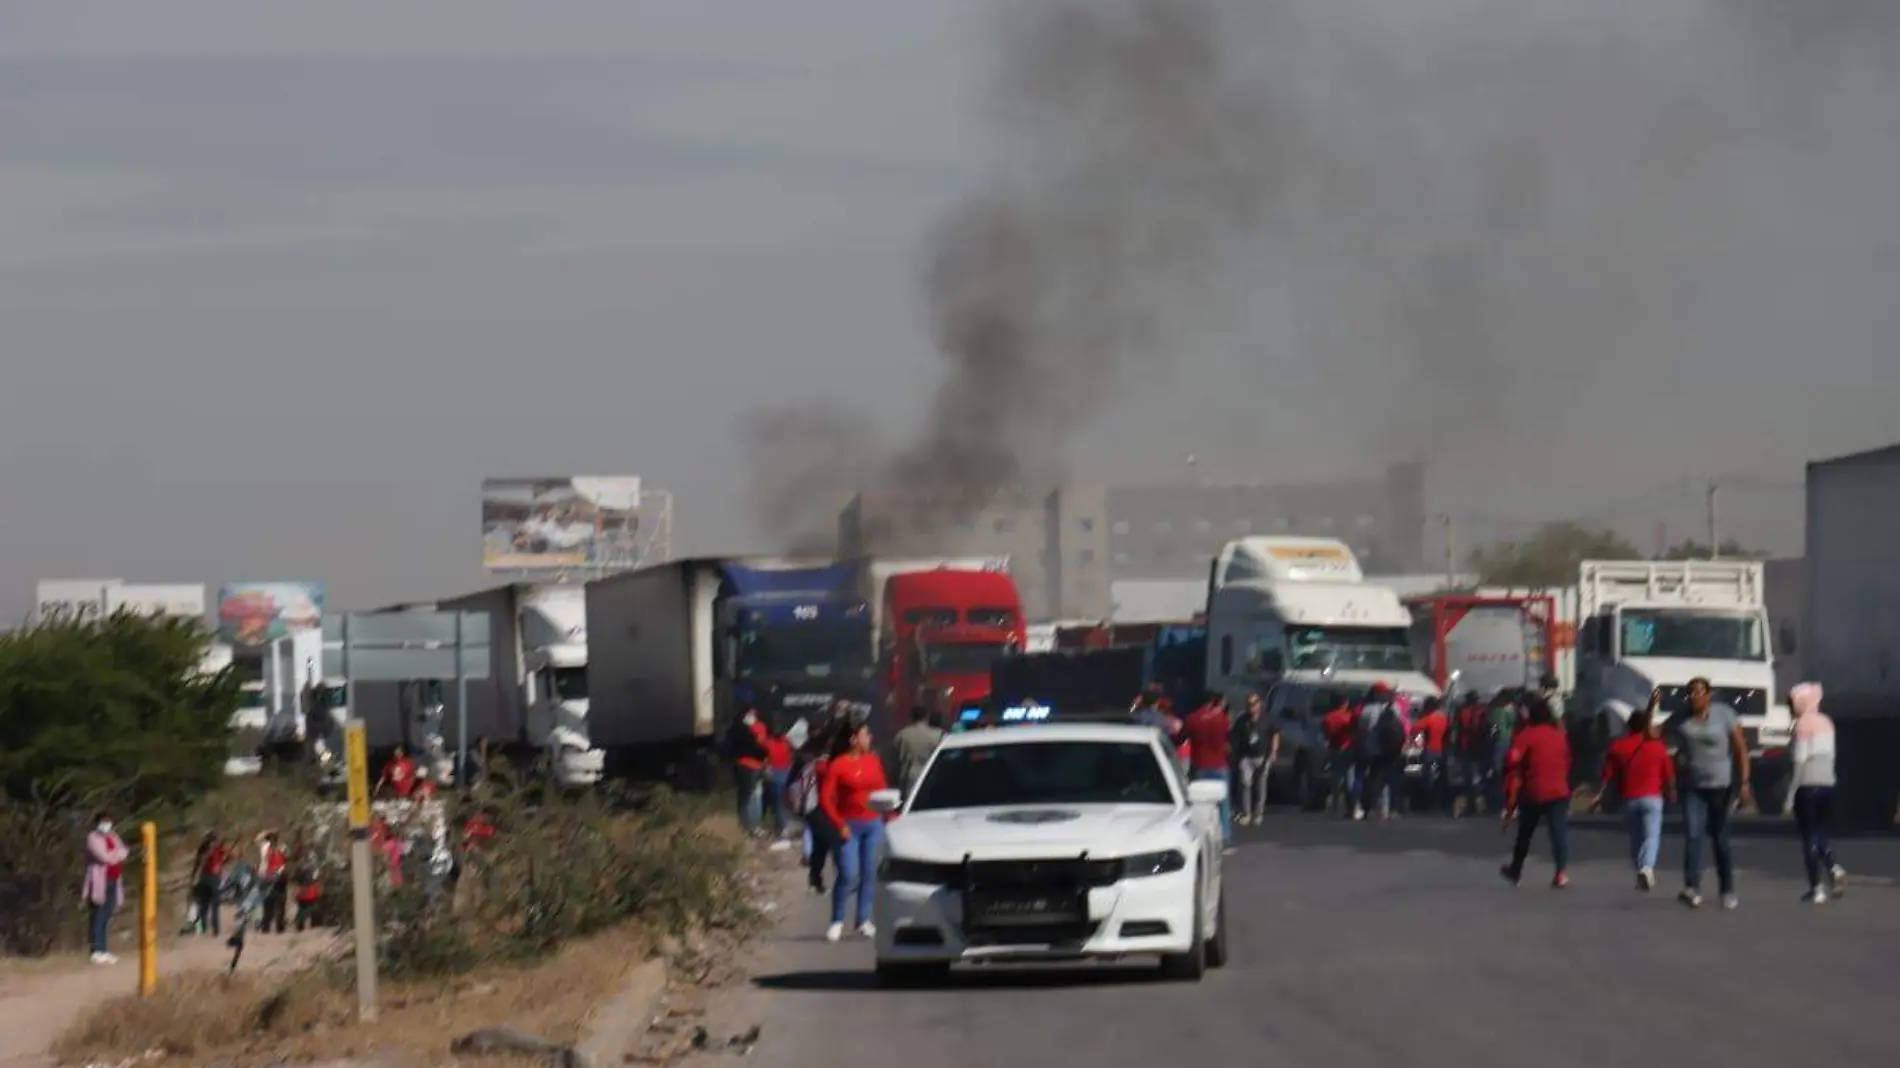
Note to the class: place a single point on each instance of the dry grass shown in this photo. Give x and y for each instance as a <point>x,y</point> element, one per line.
<point>256,1019</point>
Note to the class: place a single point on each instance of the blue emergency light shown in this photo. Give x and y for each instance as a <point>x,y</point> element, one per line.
<point>1025,714</point>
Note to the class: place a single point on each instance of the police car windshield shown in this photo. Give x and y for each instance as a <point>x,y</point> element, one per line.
<point>1044,773</point>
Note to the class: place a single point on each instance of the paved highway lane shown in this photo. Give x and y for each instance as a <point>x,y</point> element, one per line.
<point>1394,945</point>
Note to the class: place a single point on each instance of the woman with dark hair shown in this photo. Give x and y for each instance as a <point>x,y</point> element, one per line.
<point>852,775</point>
<point>1638,766</point>
<point>1537,779</point>
<point>103,888</point>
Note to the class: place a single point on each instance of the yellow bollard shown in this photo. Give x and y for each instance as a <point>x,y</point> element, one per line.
<point>148,912</point>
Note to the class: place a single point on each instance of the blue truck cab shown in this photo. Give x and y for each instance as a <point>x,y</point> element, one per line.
<point>796,638</point>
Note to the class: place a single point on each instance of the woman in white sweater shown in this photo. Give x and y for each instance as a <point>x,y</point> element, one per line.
<point>1813,759</point>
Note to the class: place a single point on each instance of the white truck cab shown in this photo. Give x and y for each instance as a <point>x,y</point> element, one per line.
<point>553,634</point>
<point>1645,625</point>
<point>1292,619</point>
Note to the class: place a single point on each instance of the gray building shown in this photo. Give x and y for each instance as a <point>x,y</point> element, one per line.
<point>1069,546</point>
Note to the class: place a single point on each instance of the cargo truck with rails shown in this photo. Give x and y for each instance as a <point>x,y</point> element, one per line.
<point>941,625</point>
<point>1646,625</point>
<point>679,650</point>
<point>1294,620</point>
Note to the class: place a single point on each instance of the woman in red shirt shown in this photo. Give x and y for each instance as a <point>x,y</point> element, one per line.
<point>778,778</point>
<point>1642,772</point>
<point>851,777</point>
<point>1537,778</point>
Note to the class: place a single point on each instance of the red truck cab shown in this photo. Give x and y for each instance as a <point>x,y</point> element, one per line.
<point>942,630</point>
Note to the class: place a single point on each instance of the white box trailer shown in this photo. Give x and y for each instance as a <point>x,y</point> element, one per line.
<point>1853,597</point>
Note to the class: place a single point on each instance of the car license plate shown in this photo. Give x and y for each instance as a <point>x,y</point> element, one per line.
<point>1018,909</point>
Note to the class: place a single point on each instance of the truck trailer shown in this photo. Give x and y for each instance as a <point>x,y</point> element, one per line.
<point>678,650</point>
<point>1852,620</point>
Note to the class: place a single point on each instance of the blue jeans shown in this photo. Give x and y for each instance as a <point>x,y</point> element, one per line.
<point>1644,816</point>
<point>776,780</point>
<point>1476,769</point>
<point>99,916</point>
<point>1705,816</point>
<point>1226,805</point>
<point>1813,810</point>
<point>857,870</point>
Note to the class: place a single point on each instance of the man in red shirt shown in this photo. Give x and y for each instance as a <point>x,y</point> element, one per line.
<point>1339,726</point>
<point>399,775</point>
<point>1429,730</point>
<point>1471,739</point>
<point>1537,777</point>
<point>1207,729</point>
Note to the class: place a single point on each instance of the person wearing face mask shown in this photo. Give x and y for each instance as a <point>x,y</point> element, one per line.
<point>104,886</point>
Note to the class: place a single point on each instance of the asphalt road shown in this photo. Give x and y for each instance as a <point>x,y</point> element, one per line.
<point>1394,945</point>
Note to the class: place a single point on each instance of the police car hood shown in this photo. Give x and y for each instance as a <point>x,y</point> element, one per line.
<point>1015,832</point>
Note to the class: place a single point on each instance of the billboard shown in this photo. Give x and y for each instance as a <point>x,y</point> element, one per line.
<point>554,524</point>
<point>83,599</point>
<point>257,613</point>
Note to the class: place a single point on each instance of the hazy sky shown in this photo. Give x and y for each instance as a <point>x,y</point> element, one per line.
<point>281,282</point>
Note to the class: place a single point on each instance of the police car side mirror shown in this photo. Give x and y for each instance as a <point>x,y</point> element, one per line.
<point>1207,792</point>
<point>886,802</point>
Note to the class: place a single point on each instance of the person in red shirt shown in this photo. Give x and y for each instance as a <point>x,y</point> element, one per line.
<point>1537,783</point>
<point>1638,766</point>
<point>399,776</point>
<point>1429,731</point>
<point>1207,729</point>
<point>1337,726</point>
<point>778,778</point>
<point>207,884</point>
<point>1471,740</point>
<point>853,774</point>
<point>746,741</point>
<point>273,871</point>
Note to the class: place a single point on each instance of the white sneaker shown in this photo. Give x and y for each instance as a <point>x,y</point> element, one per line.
<point>1690,898</point>
<point>104,958</point>
<point>1730,901</point>
<point>834,932</point>
<point>1837,877</point>
<point>1646,879</point>
<point>782,845</point>
<point>1816,896</point>
<point>868,930</point>
<point>1358,813</point>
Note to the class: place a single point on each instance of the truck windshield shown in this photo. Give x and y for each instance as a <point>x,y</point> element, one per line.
<point>1692,635</point>
<point>963,658</point>
<point>811,650</point>
<point>931,617</point>
<point>1350,648</point>
<point>569,683</point>
<point>989,617</point>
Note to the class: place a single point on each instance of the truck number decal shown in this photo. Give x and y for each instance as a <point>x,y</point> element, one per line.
<point>805,611</point>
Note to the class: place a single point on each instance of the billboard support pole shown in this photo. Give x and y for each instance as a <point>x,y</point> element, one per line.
<point>461,711</point>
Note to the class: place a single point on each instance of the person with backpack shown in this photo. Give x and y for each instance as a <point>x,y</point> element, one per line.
<point>820,839</point>
<point>1381,746</point>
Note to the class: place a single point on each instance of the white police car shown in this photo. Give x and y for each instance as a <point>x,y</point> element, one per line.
<point>1051,842</point>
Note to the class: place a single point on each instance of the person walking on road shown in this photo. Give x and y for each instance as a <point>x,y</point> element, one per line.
<point>103,888</point>
<point>1256,745</point>
<point>1206,731</point>
<point>1477,764</point>
<point>1639,768</point>
<point>850,779</point>
<point>1715,756</point>
<point>915,744</point>
<point>745,743</point>
<point>1537,790</point>
<point>778,779</point>
<point>207,885</point>
<point>1813,782</point>
<point>820,836</point>
<point>1381,745</point>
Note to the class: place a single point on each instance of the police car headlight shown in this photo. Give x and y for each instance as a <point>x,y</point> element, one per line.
<point>1143,865</point>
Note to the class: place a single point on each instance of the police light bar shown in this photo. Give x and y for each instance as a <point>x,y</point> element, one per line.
<point>970,715</point>
<point>1025,714</point>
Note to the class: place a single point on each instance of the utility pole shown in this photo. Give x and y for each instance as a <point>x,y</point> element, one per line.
<point>1714,528</point>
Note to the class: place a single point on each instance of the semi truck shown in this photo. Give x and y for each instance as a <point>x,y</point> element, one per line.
<point>677,651</point>
<point>1294,620</point>
<point>533,707</point>
<point>941,625</point>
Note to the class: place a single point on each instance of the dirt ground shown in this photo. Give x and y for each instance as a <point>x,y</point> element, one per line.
<point>40,1000</point>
